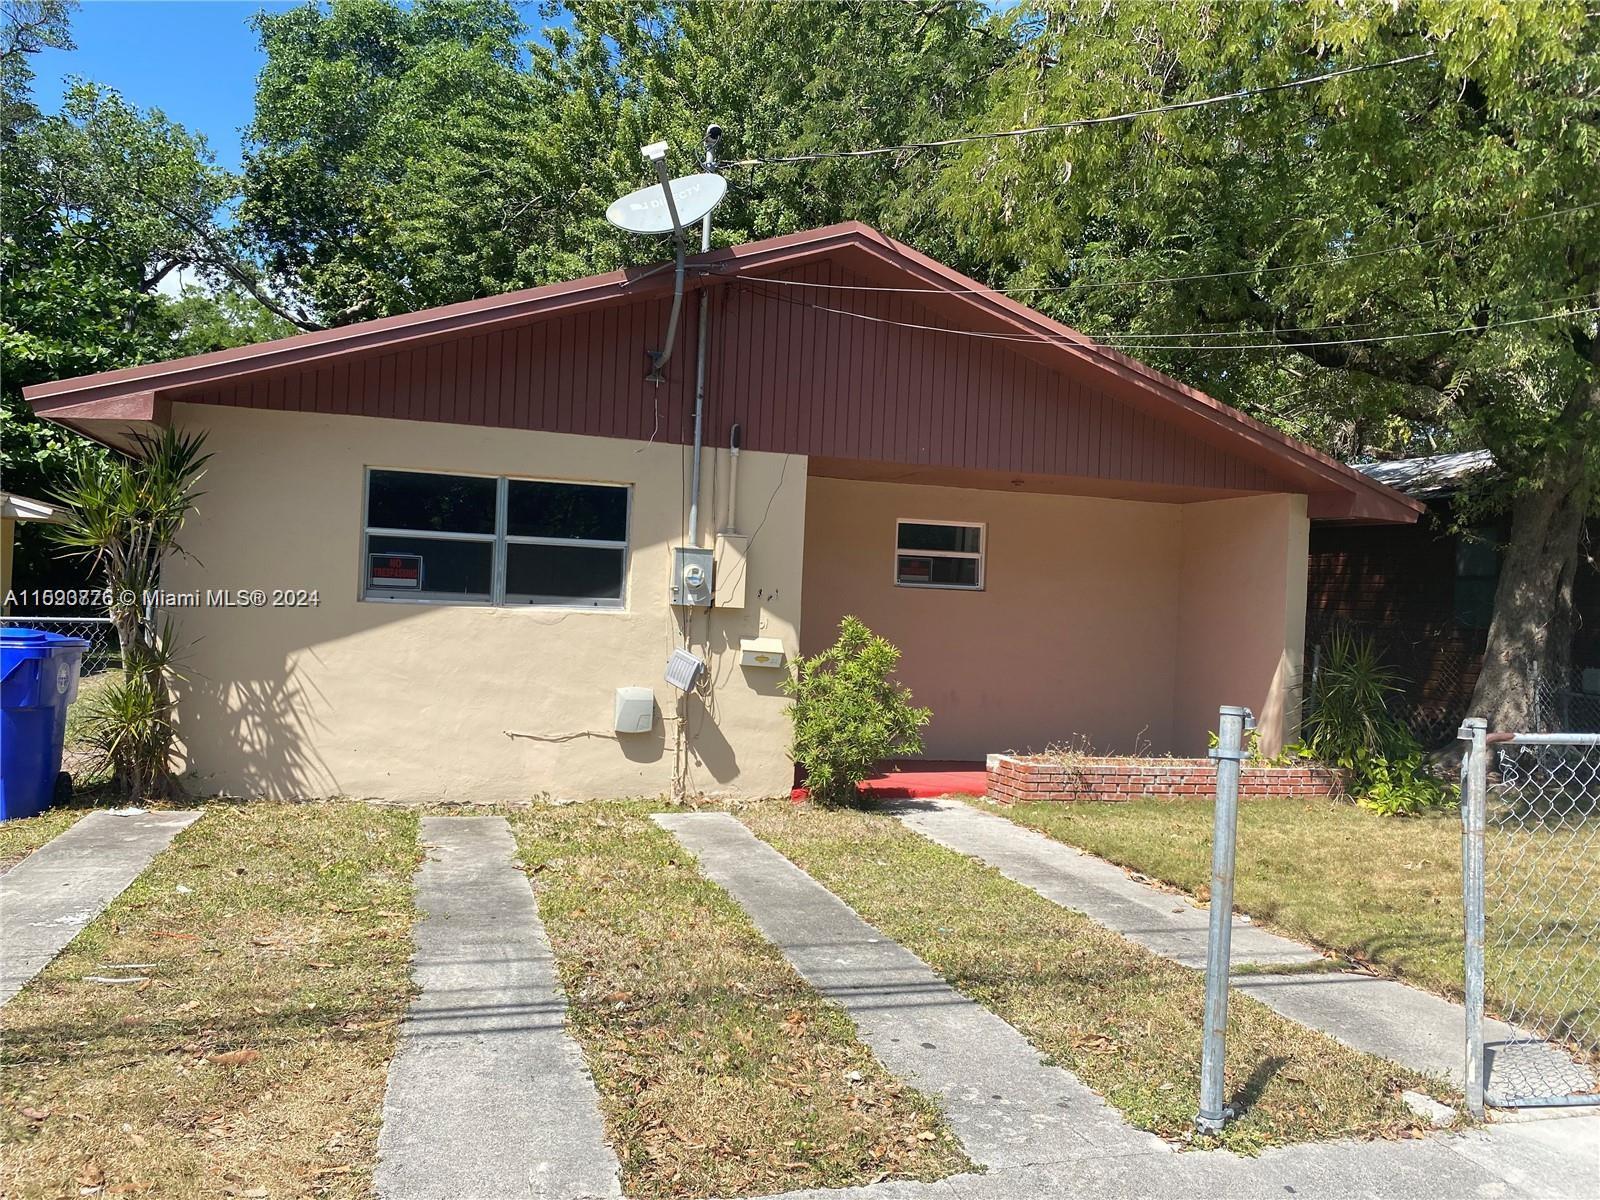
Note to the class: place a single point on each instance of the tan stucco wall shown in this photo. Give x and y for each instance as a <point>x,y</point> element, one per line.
<point>1075,632</point>
<point>422,702</point>
<point>1124,623</point>
<point>1242,621</point>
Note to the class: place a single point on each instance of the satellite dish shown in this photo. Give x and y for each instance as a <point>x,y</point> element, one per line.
<point>645,211</point>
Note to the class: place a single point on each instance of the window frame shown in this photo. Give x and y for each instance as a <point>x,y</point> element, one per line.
<point>498,542</point>
<point>981,555</point>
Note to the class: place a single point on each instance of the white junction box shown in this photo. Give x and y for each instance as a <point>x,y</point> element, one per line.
<point>760,652</point>
<point>692,573</point>
<point>635,711</point>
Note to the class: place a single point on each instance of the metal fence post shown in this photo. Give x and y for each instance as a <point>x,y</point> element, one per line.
<point>1474,802</point>
<point>1229,754</point>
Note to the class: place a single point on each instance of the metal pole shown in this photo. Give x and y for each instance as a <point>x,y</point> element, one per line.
<point>699,374</point>
<point>657,154</point>
<point>1229,754</point>
<point>1474,794</point>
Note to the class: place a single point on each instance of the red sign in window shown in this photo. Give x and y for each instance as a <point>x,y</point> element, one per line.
<point>394,571</point>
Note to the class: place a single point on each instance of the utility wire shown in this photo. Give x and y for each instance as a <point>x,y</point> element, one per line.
<point>1080,122</point>
<point>1137,336</point>
<point>1113,342</point>
<point>1334,260</point>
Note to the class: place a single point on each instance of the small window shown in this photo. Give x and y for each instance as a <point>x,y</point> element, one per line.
<point>484,540</point>
<point>940,554</point>
<point>1477,576</point>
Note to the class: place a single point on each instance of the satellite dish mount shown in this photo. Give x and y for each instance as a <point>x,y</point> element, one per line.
<point>663,208</point>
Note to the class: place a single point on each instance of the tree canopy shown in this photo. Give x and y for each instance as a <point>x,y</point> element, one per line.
<point>408,156</point>
<point>100,203</point>
<point>1457,192</point>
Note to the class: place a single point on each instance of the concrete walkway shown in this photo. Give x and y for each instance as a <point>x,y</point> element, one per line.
<point>47,898</point>
<point>923,1031</point>
<point>1008,1107</point>
<point>488,1096</point>
<point>1546,1160</point>
<point>1380,1016</point>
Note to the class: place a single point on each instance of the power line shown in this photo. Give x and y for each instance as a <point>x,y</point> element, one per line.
<point>1113,342</point>
<point>1252,272</point>
<point>1080,122</point>
<point>1136,336</point>
<point>1361,341</point>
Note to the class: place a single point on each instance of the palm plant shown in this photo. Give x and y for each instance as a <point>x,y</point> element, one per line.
<point>124,516</point>
<point>1351,717</point>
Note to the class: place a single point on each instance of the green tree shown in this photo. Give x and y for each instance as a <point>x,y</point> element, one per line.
<point>1411,199</point>
<point>124,516</point>
<point>409,155</point>
<point>99,204</point>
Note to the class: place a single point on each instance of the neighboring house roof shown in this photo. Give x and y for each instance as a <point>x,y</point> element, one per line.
<point>1434,475</point>
<point>317,372</point>
<point>25,508</point>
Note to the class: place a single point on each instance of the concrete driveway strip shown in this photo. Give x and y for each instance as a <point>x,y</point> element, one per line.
<point>1380,1016</point>
<point>47,898</point>
<point>1007,1106</point>
<point>1163,922</point>
<point>488,1096</point>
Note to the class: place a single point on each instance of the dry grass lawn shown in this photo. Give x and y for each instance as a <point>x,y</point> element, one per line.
<point>720,1071</point>
<point>22,836</point>
<point>275,939</point>
<point>1125,1021</point>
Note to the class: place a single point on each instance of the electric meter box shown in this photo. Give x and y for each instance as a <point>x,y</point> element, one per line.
<point>635,711</point>
<point>692,573</point>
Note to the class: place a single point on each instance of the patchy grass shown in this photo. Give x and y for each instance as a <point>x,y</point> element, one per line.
<point>253,1062</point>
<point>1383,891</point>
<point>720,1071</point>
<point>1125,1021</point>
<point>1380,890</point>
<point>22,836</point>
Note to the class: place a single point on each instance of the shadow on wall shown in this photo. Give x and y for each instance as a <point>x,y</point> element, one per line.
<point>271,726</point>
<point>404,703</point>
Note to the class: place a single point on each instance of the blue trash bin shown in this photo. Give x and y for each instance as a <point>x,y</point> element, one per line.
<point>38,680</point>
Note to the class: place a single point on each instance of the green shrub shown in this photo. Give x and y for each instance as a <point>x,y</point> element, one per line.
<point>1351,727</point>
<point>849,714</point>
<point>1403,788</point>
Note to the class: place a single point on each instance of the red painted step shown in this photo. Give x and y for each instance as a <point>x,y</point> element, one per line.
<point>920,779</point>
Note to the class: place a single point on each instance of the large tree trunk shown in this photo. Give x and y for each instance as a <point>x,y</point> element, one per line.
<point>1529,648</point>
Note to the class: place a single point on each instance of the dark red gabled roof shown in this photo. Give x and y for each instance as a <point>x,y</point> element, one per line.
<point>1242,453</point>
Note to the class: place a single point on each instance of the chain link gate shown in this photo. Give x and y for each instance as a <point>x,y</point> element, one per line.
<point>1530,806</point>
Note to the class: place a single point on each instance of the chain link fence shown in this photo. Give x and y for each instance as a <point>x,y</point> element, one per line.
<point>1438,669</point>
<point>104,652</point>
<point>1531,876</point>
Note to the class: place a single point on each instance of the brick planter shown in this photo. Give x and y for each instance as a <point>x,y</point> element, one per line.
<point>1017,779</point>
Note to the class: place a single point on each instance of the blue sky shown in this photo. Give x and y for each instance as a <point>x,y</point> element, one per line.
<point>195,60</point>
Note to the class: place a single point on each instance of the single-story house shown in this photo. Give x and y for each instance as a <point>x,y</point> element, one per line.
<point>1424,593</point>
<point>433,547</point>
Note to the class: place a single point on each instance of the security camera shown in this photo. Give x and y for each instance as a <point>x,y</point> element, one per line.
<point>713,134</point>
